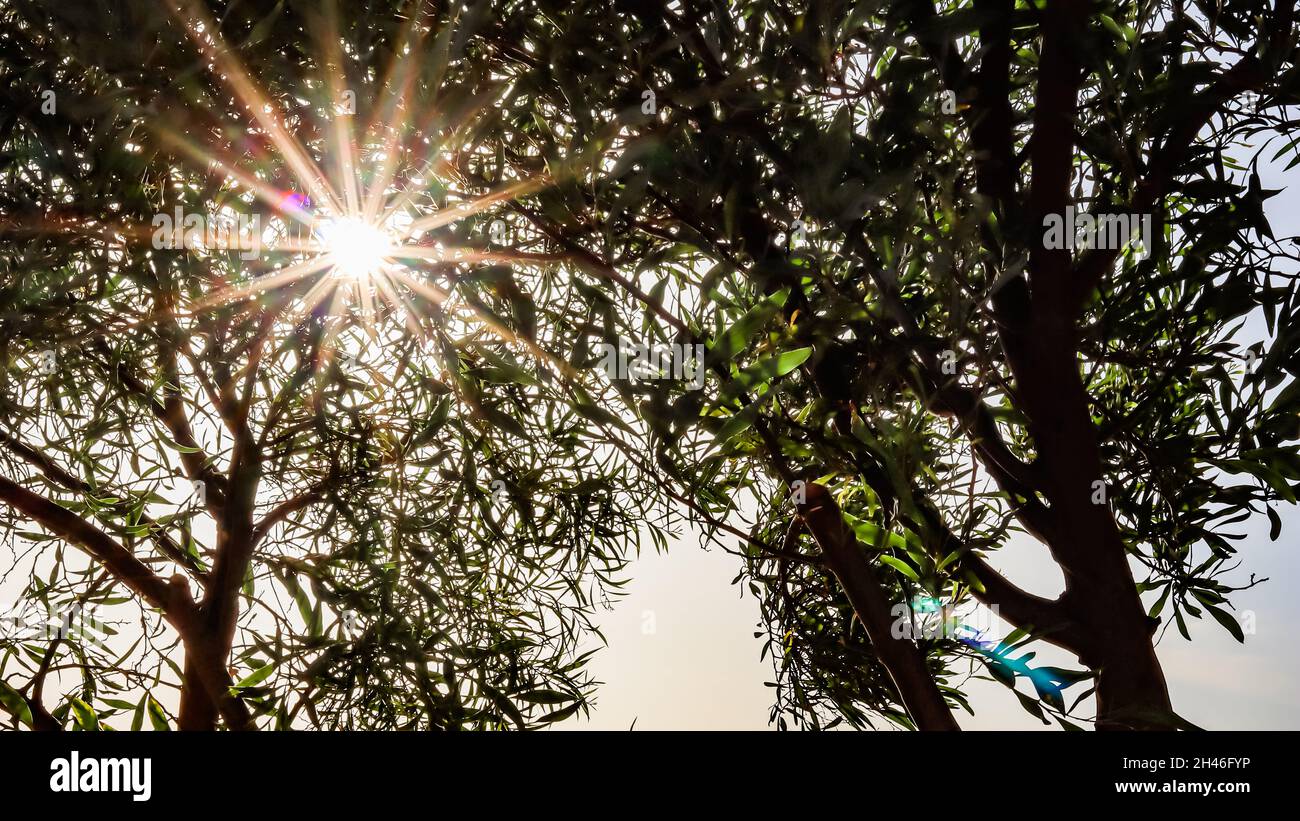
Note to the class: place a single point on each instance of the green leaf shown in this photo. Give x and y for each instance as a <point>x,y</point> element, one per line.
<point>505,705</point>
<point>949,559</point>
<point>738,422</point>
<point>256,677</point>
<point>1031,706</point>
<point>790,360</point>
<point>901,567</point>
<point>504,421</point>
<point>739,335</point>
<point>157,718</point>
<point>84,715</point>
<point>1228,621</point>
<point>599,415</point>
<point>562,714</point>
<point>137,720</point>
<point>764,371</point>
<point>546,697</point>
<point>15,704</point>
<point>1160,602</point>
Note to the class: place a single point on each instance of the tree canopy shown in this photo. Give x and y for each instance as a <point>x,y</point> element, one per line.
<point>345,519</point>
<point>857,218</point>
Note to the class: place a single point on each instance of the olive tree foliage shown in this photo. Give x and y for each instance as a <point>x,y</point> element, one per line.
<point>848,204</point>
<point>844,203</point>
<point>372,511</point>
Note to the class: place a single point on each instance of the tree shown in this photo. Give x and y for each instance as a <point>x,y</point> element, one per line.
<point>867,214</point>
<point>302,497</point>
<point>838,240</point>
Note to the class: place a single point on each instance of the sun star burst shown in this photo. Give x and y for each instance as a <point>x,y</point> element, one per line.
<point>345,223</point>
<point>358,249</point>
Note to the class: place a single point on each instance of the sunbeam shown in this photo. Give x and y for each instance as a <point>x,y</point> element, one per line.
<point>351,225</point>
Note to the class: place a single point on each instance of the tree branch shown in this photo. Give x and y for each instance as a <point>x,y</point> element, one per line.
<point>1051,154</point>
<point>171,412</point>
<point>52,471</point>
<point>1048,618</point>
<point>119,561</point>
<point>1248,74</point>
<point>904,660</point>
<point>284,510</point>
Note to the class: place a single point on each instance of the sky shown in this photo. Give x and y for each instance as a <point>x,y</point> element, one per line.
<point>682,652</point>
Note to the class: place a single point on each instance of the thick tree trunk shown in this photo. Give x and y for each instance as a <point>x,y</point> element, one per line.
<point>1101,598</point>
<point>1116,638</point>
<point>205,687</point>
<point>208,645</point>
<point>1131,690</point>
<point>205,690</point>
<point>198,711</point>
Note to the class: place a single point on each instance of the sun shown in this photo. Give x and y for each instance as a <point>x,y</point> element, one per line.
<point>357,249</point>
<point>357,239</point>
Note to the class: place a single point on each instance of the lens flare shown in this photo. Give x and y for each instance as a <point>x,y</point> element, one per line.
<point>357,248</point>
